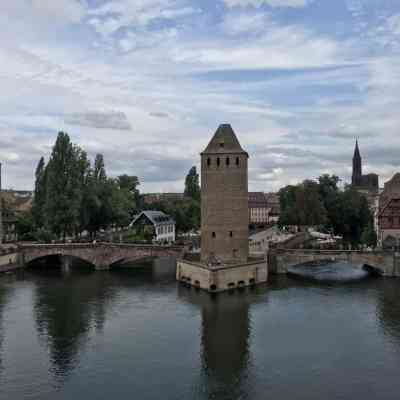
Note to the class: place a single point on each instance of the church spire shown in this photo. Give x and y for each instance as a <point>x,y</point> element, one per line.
<point>357,167</point>
<point>357,151</point>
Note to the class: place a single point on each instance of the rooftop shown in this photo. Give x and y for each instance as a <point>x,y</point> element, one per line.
<point>224,141</point>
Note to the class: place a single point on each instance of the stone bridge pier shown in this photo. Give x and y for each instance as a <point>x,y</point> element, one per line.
<point>386,263</point>
<point>100,255</point>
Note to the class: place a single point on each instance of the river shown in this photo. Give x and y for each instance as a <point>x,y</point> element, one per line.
<point>135,333</point>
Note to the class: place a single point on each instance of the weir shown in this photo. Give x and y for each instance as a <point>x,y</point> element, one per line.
<point>386,263</point>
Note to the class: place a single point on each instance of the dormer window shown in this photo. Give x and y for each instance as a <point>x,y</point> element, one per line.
<point>221,144</point>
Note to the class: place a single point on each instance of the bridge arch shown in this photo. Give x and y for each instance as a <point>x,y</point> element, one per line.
<point>31,261</point>
<point>101,255</point>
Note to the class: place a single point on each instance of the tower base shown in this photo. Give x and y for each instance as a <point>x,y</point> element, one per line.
<point>221,278</point>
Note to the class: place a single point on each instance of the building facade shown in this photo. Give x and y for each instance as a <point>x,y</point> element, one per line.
<point>158,224</point>
<point>389,213</point>
<point>258,209</point>
<point>153,198</point>
<point>224,200</point>
<point>274,207</point>
<point>389,224</point>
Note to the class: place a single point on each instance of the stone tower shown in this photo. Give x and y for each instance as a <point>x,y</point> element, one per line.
<point>224,199</point>
<point>356,179</point>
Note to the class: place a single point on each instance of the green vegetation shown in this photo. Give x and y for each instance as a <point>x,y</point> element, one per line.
<point>71,196</point>
<point>321,203</point>
<point>186,212</point>
<point>192,186</point>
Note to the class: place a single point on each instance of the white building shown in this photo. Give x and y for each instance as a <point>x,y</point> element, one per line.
<point>161,225</point>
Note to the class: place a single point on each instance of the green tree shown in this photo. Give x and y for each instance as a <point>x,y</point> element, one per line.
<point>301,205</point>
<point>369,237</point>
<point>39,198</point>
<point>192,186</point>
<point>63,191</point>
<point>343,212</point>
<point>24,226</point>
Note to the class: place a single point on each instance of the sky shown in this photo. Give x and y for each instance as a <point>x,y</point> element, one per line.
<point>147,82</point>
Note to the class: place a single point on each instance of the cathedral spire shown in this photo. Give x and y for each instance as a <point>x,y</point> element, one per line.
<point>357,150</point>
<point>357,167</point>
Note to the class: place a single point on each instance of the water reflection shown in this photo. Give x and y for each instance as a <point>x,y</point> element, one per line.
<point>5,292</point>
<point>67,306</point>
<point>388,309</point>
<point>225,337</point>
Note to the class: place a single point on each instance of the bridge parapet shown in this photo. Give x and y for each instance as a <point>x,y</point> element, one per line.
<point>101,255</point>
<point>385,262</point>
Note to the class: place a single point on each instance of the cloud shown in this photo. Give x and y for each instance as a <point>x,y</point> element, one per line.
<point>297,86</point>
<point>239,23</point>
<point>272,3</point>
<point>69,10</point>
<point>115,15</point>
<point>159,114</point>
<point>101,120</point>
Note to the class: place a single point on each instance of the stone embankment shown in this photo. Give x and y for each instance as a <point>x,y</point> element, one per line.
<point>8,258</point>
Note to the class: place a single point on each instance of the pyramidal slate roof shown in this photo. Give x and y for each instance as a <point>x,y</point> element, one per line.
<point>224,141</point>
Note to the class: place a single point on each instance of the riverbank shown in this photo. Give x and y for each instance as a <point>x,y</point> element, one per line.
<point>8,259</point>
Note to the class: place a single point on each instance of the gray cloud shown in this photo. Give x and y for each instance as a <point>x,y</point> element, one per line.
<point>159,114</point>
<point>100,120</point>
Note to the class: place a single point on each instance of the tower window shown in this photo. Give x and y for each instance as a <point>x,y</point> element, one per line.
<point>218,161</point>
<point>227,161</point>
<point>208,161</point>
<point>222,144</point>
<point>213,235</point>
<point>231,234</point>
<point>237,161</point>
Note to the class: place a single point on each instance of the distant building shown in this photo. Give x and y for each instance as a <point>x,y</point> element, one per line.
<point>153,198</point>
<point>14,203</point>
<point>363,183</point>
<point>389,213</point>
<point>389,223</point>
<point>156,223</point>
<point>274,207</point>
<point>258,209</point>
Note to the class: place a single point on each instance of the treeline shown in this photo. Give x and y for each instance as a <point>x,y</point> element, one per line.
<point>322,204</point>
<point>72,195</point>
<point>186,212</point>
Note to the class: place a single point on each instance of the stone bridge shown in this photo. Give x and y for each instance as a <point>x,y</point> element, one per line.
<point>100,255</point>
<point>386,263</point>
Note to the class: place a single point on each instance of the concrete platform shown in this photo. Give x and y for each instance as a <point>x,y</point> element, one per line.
<point>221,278</point>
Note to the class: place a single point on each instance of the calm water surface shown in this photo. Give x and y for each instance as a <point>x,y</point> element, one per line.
<point>135,333</point>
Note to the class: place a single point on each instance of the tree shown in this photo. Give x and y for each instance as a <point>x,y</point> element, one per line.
<point>71,196</point>
<point>39,198</point>
<point>301,205</point>
<point>369,237</point>
<point>192,186</point>
<point>25,226</point>
<point>128,185</point>
<point>63,191</point>
<point>343,212</point>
